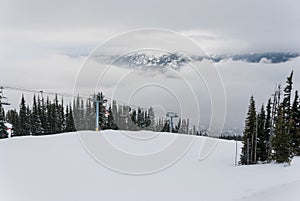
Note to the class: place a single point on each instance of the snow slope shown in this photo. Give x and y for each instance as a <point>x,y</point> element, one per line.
<point>59,168</point>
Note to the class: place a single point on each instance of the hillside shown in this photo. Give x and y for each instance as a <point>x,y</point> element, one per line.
<point>59,168</point>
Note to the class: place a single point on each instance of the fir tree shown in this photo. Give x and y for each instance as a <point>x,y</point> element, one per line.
<point>295,125</point>
<point>70,125</point>
<point>102,110</point>
<point>111,124</point>
<point>3,128</point>
<point>13,118</point>
<point>22,118</point>
<point>35,119</point>
<point>247,155</point>
<point>262,150</point>
<point>268,128</point>
<point>152,123</point>
<point>42,111</point>
<point>281,139</point>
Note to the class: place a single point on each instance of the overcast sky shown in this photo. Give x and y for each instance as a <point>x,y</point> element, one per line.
<point>44,43</point>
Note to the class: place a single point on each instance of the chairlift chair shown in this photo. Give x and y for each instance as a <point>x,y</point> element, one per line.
<point>4,100</point>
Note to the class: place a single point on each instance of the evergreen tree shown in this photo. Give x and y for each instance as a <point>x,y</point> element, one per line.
<point>61,117</point>
<point>152,123</point>
<point>139,118</point>
<point>35,119</point>
<point>248,149</point>
<point>166,127</point>
<point>295,125</point>
<point>56,114</point>
<point>3,128</point>
<point>177,127</point>
<point>22,118</point>
<point>111,124</point>
<point>268,128</point>
<point>90,116</point>
<point>42,111</point>
<point>133,120</point>
<point>70,124</point>
<point>281,139</point>
<point>13,118</point>
<point>274,116</point>
<point>102,110</point>
<point>287,98</point>
<point>262,143</point>
<point>49,118</point>
<point>182,128</point>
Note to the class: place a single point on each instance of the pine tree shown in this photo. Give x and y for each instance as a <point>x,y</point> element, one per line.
<point>60,116</point>
<point>28,123</point>
<point>139,118</point>
<point>35,119</point>
<point>281,139</point>
<point>43,114</point>
<point>152,122</point>
<point>56,114</point>
<point>268,128</point>
<point>102,110</point>
<point>22,118</point>
<point>111,124</point>
<point>70,124</point>
<point>90,116</point>
<point>3,129</point>
<point>48,114</point>
<point>247,155</point>
<point>274,116</point>
<point>13,118</point>
<point>295,125</point>
<point>262,145</point>
<point>133,120</point>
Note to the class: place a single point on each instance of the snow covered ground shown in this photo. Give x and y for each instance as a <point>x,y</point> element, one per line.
<point>59,168</point>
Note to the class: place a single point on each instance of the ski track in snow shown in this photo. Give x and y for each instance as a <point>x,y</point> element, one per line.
<point>279,192</point>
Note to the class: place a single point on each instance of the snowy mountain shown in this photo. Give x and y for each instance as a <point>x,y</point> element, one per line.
<point>58,167</point>
<point>176,60</point>
<point>173,60</point>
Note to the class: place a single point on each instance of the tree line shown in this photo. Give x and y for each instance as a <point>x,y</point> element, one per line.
<point>42,118</point>
<point>273,133</point>
<point>45,117</point>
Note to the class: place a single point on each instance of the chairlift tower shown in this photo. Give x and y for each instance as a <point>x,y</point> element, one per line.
<point>97,102</point>
<point>171,116</point>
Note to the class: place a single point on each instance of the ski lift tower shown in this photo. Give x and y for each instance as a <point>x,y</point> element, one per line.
<point>97,102</point>
<point>171,116</point>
